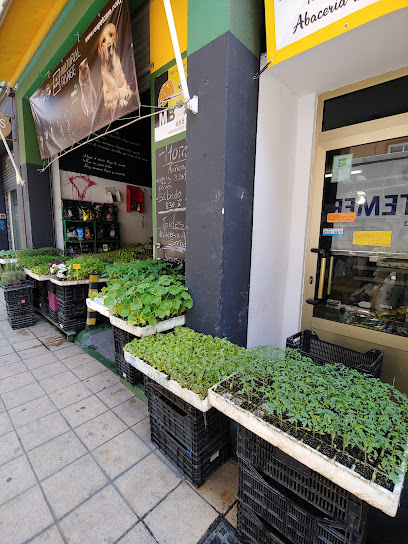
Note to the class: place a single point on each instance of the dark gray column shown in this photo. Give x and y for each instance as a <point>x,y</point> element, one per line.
<point>220,177</point>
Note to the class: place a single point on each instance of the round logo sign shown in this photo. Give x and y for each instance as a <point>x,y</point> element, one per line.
<point>5,125</point>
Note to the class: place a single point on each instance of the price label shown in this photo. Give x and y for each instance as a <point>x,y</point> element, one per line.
<point>76,266</point>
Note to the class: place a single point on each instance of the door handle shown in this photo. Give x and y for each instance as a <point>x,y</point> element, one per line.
<point>324,254</point>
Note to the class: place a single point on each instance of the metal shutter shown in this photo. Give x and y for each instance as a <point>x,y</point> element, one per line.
<point>141,45</point>
<point>9,175</point>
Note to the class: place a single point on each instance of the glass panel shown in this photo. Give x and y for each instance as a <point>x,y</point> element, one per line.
<point>366,237</point>
<point>15,218</point>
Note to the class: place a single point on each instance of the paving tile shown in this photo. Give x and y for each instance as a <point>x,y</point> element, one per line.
<point>54,344</point>
<point>147,483</point>
<point>40,360</point>
<point>22,335</point>
<point>42,430</point>
<point>231,517</point>
<point>132,411</point>
<point>73,484</point>
<point>6,348</point>
<point>69,395</point>
<point>24,517</point>
<point>59,381</point>
<point>103,518</point>
<point>83,411</point>
<point>51,339</point>
<point>78,360</point>
<point>5,424</point>
<point>70,350</point>
<point>2,407</point>
<point>102,381</point>
<point>15,477</point>
<point>142,429</point>
<point>30,411</point>
<point>181,518</point>
<point>50,536</point>
<point>56,454</point>
<point>3,341</point>
<point>116,394</point>
<point>138,535</point>
<point>120,453</point>
<point>47,371</point>
<point>11,370</point>
<point>95,432</point>
<point>33,352</point>
<point>9,358</point>
<point>10,447</point>
<point>21,396</point>
<point>32,343</point>
<point>221,489</point>
<point>89,369</point>
<point>15,382</point>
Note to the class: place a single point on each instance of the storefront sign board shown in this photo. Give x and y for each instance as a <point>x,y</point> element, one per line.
<point>293,26</point>
<point>94,84</point>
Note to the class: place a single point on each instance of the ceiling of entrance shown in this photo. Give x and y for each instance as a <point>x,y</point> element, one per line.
<point>23,27</point>
<point>372,49</point>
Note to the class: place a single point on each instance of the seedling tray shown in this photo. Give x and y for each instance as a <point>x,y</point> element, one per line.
<point>194,429</point>
<point>38,277</point>
<point>7,261</point>
<point>300,480</point>
<point>294,519</point>
<point>196,468</point>
<point>171,385</point>
<point>97,305</point>
<point>347,478</point>
<point>64,283</point>
<point>309,344</point>
<point>147,330</point>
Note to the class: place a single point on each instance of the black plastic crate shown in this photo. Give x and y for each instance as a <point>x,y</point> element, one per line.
<point>194,429</point>
<point>73,309</point>
<point>252,530</point>
<point>16,286</point>
<point>299,479</point>
<point>52,313</point>
<point>71,293</point>
<point>19,319</point>
<point>123,368</point>
<point>195,468</point>
<point>290,516</point>
<point>51,287</point>
<point>75,324</point>
<point>309,344</point>
<point>19,298</point>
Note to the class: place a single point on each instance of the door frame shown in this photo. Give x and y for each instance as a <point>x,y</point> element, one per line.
<point>368,132</point>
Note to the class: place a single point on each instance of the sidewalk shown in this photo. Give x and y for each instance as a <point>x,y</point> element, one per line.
<point>76,462</point>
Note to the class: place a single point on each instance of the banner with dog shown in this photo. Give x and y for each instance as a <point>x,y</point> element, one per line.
<point>92,86</point>
<point>293,26</point>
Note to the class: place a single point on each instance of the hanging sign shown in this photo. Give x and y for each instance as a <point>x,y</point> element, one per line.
<point>293,26</point>
<point>92,86</point>
<point>5,125</point>
<point>167,92</point>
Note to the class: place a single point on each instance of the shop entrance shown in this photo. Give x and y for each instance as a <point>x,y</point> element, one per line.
<point>356,277</point>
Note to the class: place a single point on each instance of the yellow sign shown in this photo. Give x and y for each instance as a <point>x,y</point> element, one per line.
<point>293,26</point>
<point>348,217</point>
<point>380,238</point>
<point>5,125</point>
<point>76,267</point>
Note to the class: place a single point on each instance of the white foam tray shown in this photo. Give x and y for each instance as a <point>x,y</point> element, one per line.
<point>7,261</point>
<point>164,380</point>
<point>97,305</point>
<point>147,330</point>
<point>351,481</point>
<point>64,283</point>
<point>38,277</point>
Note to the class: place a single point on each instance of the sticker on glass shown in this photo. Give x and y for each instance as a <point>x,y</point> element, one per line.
<point>342,165</point>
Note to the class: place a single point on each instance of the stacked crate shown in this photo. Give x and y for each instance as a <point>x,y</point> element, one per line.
<point>71,302</point>
<point>52,301</point>
<point>123,368</point>
<point>41,296</point>
<point>196,442</point>
<point>282,501</point>
<point>19,304</point>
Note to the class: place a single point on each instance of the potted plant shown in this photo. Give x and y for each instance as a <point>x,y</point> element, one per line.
<point>348,427</point>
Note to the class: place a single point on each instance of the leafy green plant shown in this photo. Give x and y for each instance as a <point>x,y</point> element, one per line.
<point>12,273</point>
<point>197,361</point>
<point>32,252</point>
<point>89,265</point>
<point>39,264</point>
<point>7,254</point>
<point>331,404</point>
<point>125,255</point>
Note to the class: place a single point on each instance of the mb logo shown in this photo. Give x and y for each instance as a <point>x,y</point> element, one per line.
<point>165,117</point>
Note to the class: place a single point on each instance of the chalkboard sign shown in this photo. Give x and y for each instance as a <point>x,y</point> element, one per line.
<point>171,201</point>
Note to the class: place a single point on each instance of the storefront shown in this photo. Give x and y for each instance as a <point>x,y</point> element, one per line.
<point>330,214</point>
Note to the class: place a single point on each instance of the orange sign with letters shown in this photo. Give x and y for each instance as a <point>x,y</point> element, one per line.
<point>349,217</point>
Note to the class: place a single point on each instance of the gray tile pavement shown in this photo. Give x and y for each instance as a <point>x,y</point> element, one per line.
<point>76,461</point>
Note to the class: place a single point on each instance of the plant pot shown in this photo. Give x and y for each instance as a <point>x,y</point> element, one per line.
<point>347,478</point>
<point>171,385</point>
<point>147,330</point>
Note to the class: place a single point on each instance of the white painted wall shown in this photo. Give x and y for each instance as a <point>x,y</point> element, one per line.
<point>134,226</point>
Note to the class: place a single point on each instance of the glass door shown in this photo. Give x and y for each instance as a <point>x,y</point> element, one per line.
<point>359,274</point>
